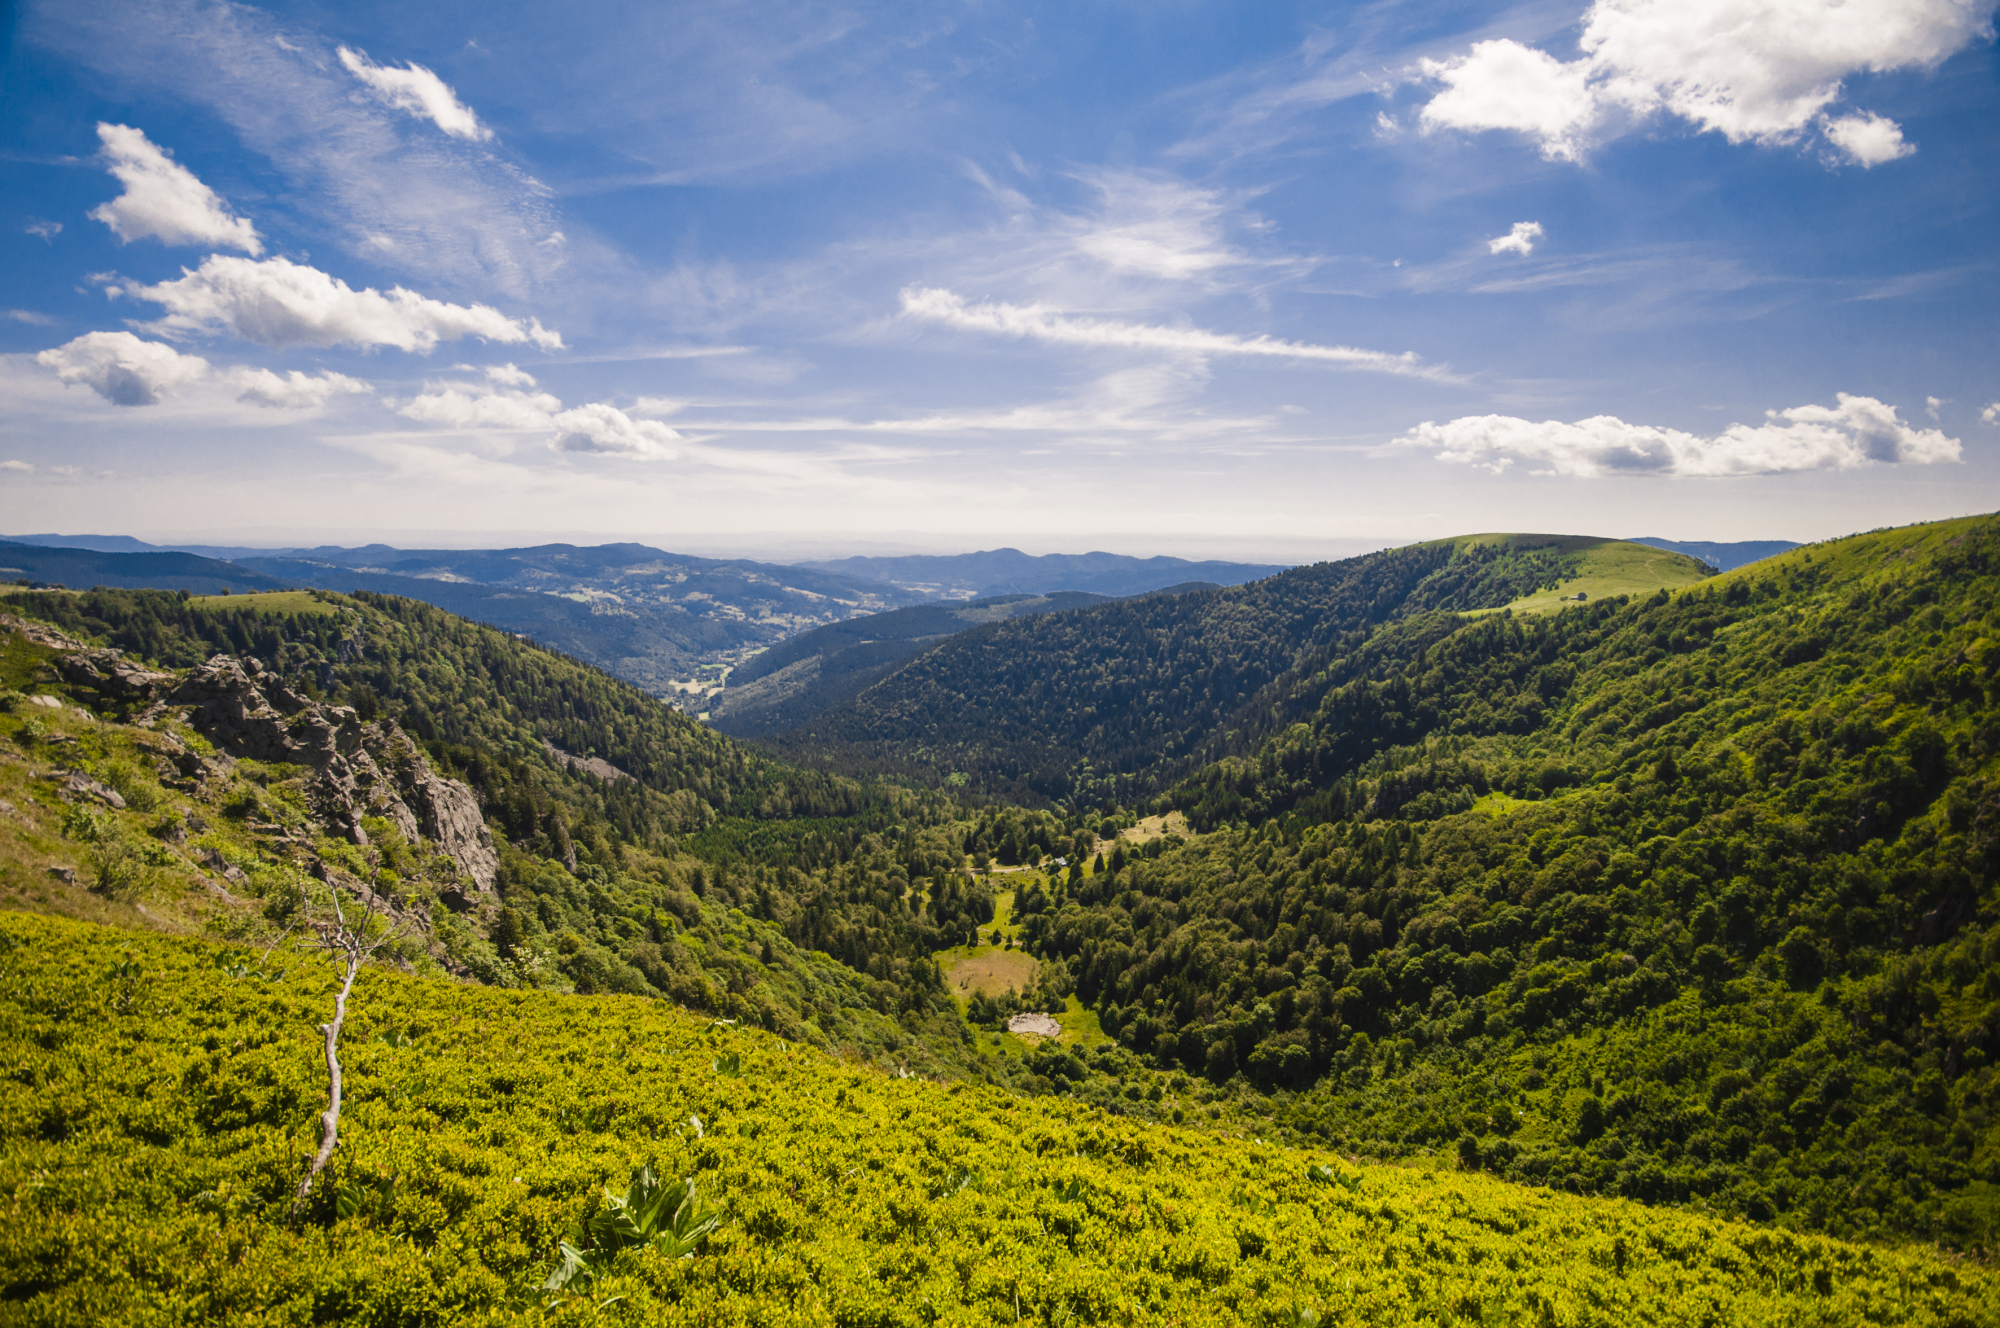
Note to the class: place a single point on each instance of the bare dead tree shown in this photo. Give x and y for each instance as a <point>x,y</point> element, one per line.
<point>350,946</point>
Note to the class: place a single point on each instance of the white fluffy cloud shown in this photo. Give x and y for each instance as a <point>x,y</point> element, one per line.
<point>1042,324</point>
<point>1858,431</point>
<point>1868,139</point>
<point>163,200</point>
<point>279,303</point>
<point>1520,240</point>
<point>512,405</point>
<point>1762,70</point>
<point>129,371</point>
<point>1991,414</point>
<point>122,368</point>
<point>418,91</point>
<point>606,429</point>
<point>290,391</point>
<point>1505,85</point>
<point>459,406</point>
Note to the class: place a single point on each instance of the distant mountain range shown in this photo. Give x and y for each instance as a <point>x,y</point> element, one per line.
<point>1011,572</point>
<point>1722,557</point>
<point>643,614</point>
<point>82,568</point>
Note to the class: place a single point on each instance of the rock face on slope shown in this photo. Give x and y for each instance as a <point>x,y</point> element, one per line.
<point>248,712</point>
<point>360,769</point>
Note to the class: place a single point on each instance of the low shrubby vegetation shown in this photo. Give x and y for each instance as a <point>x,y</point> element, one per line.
<point>157,1108</point>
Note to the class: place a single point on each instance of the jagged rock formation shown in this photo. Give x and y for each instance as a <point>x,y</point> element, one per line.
<point>247,712</point>
<point>360,769</point>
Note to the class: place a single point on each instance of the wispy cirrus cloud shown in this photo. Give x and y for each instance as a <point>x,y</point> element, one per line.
<point>1036,323</point>
<point>439,208</point>
<point>416,91</point>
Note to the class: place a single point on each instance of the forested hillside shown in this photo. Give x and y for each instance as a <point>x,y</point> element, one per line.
<point>1107,705</point>
<point>803,676</point>
<point>1690,898</point>
<point>636,850</point>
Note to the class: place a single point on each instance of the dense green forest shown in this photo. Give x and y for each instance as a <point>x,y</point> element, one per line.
<point>1102,706</point>
<point>1692,897</point>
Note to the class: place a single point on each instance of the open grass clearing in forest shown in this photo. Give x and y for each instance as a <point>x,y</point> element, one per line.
<point>269,601</point>
<point>989,969</point>
<point>1497,804</point>
<point>1150,828</point>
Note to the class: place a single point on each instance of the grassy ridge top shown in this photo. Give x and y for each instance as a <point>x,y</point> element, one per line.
<point>1595,566</point>
<point>156,1109</point>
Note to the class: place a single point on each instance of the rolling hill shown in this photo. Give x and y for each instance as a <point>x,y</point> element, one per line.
<point>1725,556</point>
<point>653,618</point>
<point>84,568</point>
<point>1011,572</point>
<point>1110,704</point>
<point>806,675</point>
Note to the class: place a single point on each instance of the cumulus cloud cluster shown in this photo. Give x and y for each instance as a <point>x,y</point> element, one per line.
<point>1752,70</point>
<point>512,400</point>
<point>163,200</point>
<point>127,370</point>
<point>1856,432</point>
<point>419,92</point>
<point>276,302</point>
<point>1037,323</point>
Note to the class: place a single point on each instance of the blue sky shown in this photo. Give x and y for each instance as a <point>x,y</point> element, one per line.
<point>1270,281</point>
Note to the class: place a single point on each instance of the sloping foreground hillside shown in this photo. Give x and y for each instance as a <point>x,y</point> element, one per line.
<point>158,1096</point>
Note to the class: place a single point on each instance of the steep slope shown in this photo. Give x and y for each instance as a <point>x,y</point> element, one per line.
<point>1109,704</point>
<point>157,1095</point>
<point>1689,897</point>
<point>592,886</point>
<point>806,675</point>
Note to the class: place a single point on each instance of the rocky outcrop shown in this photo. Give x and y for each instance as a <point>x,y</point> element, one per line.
<point>40,633</point>
<point>248,712</point>
<point>113,677</point>
<point>584,765</point>
<point>359,769</point>
<point>105,672</point>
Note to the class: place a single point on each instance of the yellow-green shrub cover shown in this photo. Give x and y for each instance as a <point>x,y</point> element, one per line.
<point>157,1099</point>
